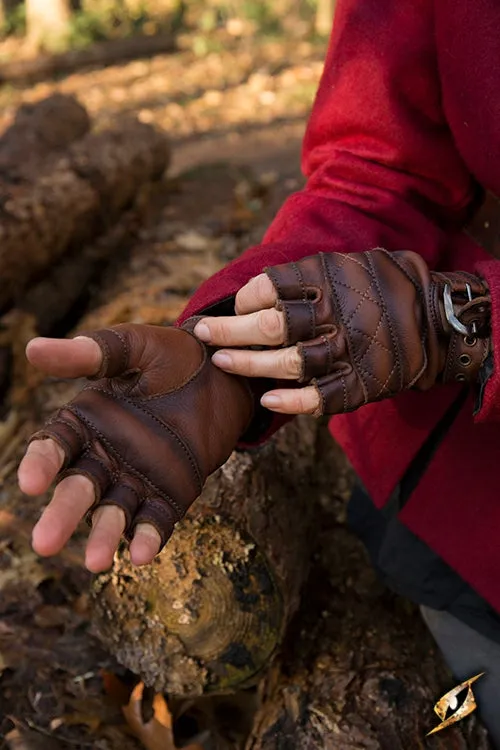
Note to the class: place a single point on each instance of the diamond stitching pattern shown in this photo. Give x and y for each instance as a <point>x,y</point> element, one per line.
<point>380,321</point>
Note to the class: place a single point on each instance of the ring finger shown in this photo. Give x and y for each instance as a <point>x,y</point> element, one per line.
<point>108,525</point>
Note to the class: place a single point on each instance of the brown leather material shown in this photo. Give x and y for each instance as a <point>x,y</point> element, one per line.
<point>484,227</point>
<point>159,418</point>
<point>370,325</point>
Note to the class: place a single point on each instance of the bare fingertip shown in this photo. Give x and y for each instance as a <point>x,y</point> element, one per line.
<point>145,545</point>
<point>41,545</point>
<point>32,346</point>
<point>223,360</point>
<point>202,331</point>
<point>270,401</point>
<point>95,562</point>
<point>142,557</point>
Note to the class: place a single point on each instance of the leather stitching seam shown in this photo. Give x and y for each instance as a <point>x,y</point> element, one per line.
<point>396,353</point>
<point>165,427</point>
<point>133,470</point>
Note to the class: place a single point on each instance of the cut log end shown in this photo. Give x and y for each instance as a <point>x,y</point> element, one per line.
<point>213,592</point>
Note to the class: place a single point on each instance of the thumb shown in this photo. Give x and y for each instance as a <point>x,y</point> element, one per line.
<point>65,358</point>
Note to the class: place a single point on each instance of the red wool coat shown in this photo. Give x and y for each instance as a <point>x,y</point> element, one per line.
<point>405,126</point>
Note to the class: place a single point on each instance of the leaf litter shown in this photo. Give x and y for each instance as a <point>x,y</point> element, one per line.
<point>236,158</point>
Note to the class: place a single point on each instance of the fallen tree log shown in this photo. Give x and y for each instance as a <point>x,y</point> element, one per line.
<point>40,130</point>
<point>100,54</point>
<point>358,668</point>
<point>209,614</point>
<point>69,282</point>
<point>80,196</point>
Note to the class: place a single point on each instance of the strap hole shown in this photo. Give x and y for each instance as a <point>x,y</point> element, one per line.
<point>465,360</point>
<point>460,377</point>
<point>470,340</point>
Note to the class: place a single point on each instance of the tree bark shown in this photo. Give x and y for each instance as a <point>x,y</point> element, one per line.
<point>48,22</point>
<point>210,613</point>
<point>69,282</point>
<point>79,196</point>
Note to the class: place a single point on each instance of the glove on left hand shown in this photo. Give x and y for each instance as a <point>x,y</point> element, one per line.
<point>157,420</point>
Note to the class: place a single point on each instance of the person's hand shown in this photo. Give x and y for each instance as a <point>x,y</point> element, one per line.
<point>136,445</point>
<point>352,329</point>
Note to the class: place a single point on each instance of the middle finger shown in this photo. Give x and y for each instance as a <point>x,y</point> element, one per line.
<point>264,328</point>
<point>274,363</point>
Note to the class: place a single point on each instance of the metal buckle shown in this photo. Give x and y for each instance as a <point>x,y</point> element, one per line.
<point>452,319</point>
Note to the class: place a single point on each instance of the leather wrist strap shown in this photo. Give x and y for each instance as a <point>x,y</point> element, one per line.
<point>465,315</point>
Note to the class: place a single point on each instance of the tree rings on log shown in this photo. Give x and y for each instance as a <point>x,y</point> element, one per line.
<point>217,630</point>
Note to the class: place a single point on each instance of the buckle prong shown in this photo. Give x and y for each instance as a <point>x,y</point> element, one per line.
<point>449,311</point>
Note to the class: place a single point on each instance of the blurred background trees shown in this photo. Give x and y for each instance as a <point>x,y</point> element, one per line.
<point>57,25</point>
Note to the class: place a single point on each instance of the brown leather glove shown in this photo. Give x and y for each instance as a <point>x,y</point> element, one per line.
<point>373,324</point>
<point>155,422</point>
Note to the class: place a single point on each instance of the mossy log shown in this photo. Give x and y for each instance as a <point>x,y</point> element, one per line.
<point>39,132</point>
<point>211,611</point>
<point>77,198</point>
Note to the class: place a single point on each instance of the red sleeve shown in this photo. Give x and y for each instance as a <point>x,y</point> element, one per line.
<point>381,163</point>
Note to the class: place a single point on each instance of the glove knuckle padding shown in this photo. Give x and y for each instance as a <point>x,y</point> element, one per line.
<point>369,325</point>
<point>154,435</point>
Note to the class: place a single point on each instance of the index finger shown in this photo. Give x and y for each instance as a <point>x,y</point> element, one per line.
<point>258,294</point>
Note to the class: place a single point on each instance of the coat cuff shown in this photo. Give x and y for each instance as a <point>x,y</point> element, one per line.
<point>488,402</point>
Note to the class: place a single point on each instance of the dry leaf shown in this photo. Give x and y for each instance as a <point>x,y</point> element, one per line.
<point>118,692</point>
<point>90,721</point>
<point>156,734</point>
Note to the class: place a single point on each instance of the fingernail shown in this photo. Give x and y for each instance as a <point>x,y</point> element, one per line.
<point>202,331</point>
<point>271,402</point>
<point>221,359</point>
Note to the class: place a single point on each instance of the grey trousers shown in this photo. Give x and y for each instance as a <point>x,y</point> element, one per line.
<point>467,653</point>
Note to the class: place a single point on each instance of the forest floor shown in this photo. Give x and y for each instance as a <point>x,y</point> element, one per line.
<point>236,118</point>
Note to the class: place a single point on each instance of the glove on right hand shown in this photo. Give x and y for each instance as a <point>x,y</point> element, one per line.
<point>370,325</point>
